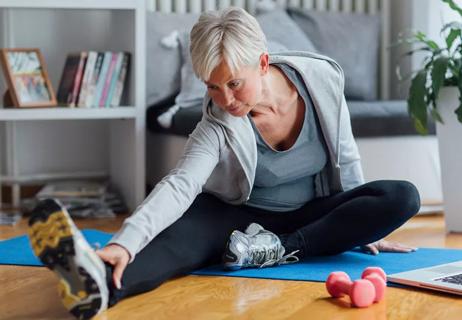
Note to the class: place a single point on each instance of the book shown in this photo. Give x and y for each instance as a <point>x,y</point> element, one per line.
<point>82,198</point>
<point>66,84</point>
<point>90,94</point>
<point>107,82</point>
<point>102,78</point>
<point>115,76</point>
<point>10,218</point>
<point>73,98</point>
<point>118,91</point>
<point>87,76</point>
<point>72,189</point>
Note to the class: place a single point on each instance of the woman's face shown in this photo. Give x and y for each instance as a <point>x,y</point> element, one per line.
<point>236,93</point>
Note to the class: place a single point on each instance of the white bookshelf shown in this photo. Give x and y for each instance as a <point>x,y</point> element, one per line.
<point>126,27</point>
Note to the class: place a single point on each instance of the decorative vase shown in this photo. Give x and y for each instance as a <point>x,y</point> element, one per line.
<point>450,150</point>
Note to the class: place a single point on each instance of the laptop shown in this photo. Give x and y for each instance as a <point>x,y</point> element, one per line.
<point>444,277</point>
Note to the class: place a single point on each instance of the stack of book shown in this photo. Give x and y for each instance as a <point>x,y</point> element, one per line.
<point>93,79</point>
<point>9,218</point>
<point>84,199</point>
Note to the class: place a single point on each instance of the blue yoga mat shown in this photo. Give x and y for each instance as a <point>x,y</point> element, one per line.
<point>17,251</point>
<point>352,262</point>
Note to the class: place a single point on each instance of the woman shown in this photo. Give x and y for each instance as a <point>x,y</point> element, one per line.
<point>273,151</point>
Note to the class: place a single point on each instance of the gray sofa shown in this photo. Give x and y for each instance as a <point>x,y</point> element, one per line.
<point>350,39</point>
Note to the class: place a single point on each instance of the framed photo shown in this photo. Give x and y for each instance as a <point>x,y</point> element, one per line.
<point>27,78</point>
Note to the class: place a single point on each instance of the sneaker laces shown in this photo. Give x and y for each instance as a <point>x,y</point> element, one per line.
<point>288,258</point>
<point>265,256</point>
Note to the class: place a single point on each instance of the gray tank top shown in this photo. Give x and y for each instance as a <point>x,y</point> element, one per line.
<point>284,180</point>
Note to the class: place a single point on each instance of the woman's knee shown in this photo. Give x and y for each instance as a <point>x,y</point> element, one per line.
<point>403,196</point>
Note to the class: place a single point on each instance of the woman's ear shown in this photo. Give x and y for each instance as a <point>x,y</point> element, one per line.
<point>264,63</point>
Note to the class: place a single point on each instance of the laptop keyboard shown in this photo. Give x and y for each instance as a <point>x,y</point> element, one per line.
<point>455,279</point>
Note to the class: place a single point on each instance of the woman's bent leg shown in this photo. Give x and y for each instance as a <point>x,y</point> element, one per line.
<point>353,218</point>
<point>195,240</point>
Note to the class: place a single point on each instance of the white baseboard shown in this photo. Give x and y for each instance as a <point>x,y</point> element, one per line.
<point>431,209</point>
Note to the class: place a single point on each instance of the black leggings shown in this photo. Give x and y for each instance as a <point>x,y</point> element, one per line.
<point>324,226</point>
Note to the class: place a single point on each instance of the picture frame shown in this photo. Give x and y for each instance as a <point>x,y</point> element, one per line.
<point>27,78</point>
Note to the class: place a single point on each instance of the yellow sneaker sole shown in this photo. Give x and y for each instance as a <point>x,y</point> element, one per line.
<point>53,241</point>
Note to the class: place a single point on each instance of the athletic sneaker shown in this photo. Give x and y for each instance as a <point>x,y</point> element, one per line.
<point>58,243</point>
<point>256,247</point>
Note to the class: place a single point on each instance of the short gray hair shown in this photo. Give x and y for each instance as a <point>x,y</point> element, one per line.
<point>231,34</point>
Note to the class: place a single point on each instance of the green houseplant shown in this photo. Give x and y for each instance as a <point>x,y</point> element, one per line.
<point>442,67</point>
<point>436,90</point>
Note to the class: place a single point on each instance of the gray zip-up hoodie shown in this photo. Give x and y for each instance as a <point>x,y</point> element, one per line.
<point>220,156</point>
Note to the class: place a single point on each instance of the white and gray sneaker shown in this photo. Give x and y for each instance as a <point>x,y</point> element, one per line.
<point>58,243</point>
<point>256,247</point>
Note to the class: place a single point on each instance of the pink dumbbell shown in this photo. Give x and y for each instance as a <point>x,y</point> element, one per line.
<point>378,277</point>
<point>361,292</point>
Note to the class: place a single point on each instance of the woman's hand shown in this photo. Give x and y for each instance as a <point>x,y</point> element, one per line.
<point>387,246</point>
<point>117,256</point>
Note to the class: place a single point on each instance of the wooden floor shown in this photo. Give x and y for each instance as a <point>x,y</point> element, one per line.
<point>29,292</point>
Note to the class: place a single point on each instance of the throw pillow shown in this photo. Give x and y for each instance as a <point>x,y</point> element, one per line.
<point>278,26</point>
<point>350,39</point>
<point>192,88</point>
<point>163,64</point>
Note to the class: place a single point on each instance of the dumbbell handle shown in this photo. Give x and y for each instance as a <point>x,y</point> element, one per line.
<point>344,286</point>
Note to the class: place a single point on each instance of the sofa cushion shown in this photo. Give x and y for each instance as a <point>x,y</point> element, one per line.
<point>163,64</point>
<point>368,119</point>
<point>352,40</point>
<point>382,118</point>
<point>192,89</point>
<point>279,27</point>
<point>183,122</point>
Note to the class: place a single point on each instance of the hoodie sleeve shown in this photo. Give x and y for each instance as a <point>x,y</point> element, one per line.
<point>351,173</point>
<point>173,195</point>
<point>348,159</point>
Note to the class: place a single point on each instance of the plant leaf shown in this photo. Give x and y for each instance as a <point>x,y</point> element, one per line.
<point>459,113</point>
<point>452,36</point>
<point>420,36</point>
<point>436,115</point>
<point>417,106</point>
<point>454,6</point>
<point>440,66</point>
<point>411,52</point>
<point>452,25</point>
<point>454,68</point>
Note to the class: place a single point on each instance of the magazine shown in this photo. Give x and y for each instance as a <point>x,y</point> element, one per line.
<point>84,199</point>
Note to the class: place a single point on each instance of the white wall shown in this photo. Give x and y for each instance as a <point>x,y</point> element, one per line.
<point>427,16</point>
<point>439,14</point>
